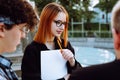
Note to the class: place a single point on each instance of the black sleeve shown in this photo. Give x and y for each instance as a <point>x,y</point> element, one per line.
<point>77,64</point>
<point>30,63</point>
<point>107,71</point>
<point>83,74</point>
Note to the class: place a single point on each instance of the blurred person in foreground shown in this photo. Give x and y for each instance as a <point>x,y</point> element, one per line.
<point>106,71</point>
<point>17,17</point>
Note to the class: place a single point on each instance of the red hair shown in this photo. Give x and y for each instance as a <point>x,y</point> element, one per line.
<point>48,14</point>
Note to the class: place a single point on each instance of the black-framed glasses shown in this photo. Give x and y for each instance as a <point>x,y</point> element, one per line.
<point>59,23</point>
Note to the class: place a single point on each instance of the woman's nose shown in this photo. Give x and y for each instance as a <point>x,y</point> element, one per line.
<point>62,26</point>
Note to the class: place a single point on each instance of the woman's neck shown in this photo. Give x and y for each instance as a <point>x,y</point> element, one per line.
<point>50,45</point>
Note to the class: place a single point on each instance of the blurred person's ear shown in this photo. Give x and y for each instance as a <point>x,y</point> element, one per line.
<point>1,30</point>
<point>116,40</point>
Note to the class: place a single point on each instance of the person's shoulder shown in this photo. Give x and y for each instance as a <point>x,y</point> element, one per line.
<point>116,61</point>
<point>63,40</point>
<point>2,74</point>
<point>2,78</point>
<point>34,45</point>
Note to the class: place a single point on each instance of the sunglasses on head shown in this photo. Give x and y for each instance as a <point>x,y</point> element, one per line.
<point>6,21</point>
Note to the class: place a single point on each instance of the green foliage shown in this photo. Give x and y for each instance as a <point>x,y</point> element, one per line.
<point>41,3</point>
<point>106,6</point>
<point>73,13</point>
<point>87,14</point>
<point>77,9</point>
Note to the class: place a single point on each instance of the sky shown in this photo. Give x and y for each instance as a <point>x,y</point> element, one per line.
<point>93,2</point>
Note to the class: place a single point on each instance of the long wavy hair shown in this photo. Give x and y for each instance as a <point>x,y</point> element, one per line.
<point>48,14</point>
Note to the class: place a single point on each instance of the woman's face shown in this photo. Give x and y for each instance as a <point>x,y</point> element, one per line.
<point>58,24</point>
<point>12,38</point>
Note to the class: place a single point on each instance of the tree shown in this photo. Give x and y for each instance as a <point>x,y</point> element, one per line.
<point>78,9</point>
<point>87,14</point>
<point>73,8</point>
<point>41,3</point>
<point>106,6</point>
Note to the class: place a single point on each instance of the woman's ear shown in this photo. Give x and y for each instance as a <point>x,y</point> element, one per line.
<point>1,30</point>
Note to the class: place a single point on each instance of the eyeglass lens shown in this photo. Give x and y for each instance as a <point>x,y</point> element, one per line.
<point>25,29</point>
<point>59,23</point>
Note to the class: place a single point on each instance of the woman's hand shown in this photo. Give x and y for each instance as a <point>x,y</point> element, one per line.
<point>68,55</point>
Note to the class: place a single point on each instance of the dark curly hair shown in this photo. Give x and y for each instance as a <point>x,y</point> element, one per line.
<point>18,11</point>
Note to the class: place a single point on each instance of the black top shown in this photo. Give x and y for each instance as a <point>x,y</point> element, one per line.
<point>108,71</point>
<point>6,73</point>
<point>31,60</point>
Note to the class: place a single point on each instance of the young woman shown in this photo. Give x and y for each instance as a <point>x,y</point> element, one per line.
<point>53,26</point>
<point>16,18</point>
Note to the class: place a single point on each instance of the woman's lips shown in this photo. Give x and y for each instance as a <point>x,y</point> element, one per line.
<point>59,32</point>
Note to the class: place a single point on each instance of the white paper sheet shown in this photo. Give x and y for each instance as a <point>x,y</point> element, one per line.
<point>53,65</point>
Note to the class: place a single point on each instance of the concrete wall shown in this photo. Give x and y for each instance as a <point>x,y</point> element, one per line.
<point>104,43</point>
